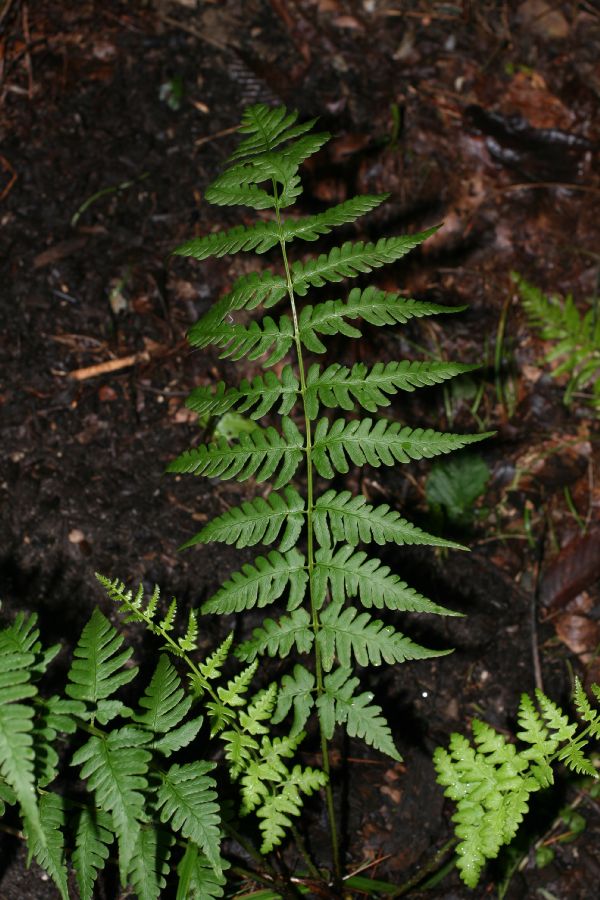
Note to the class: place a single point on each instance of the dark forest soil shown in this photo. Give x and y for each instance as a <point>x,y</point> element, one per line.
<point>88,92</point>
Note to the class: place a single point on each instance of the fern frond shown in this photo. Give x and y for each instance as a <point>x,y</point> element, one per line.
<point>186,799</point>
<point>259,711</point>
<point>380,442</point>
<point>559,724</point>
<point>197,879</point>
<point>348,574</point>
<point>372,305</point>
<point>92,838</point>
<point>249,291</point>
<point>574,758</point>
<point>276,810</point>
<point>16,726</point>
<point>252,340</point>
<point>232,694</point>
<point>23,636</point>
<point>278,638</point>
<point>164,701</point>
<point>212,665</point>
<point>150,864</point>
<point>311,228</point>
<point>339,516</point>
<point>339,386</point>
<point>346,633</point>
<point>339,704</point>
<point>259,237</point>
<point>352,259</point>
<point>239,750</point>
<point>296,691</point>
<point>263,392</point>
<point>267,128</point>
<point>584,708</point>
<point>97,670</point>
<point>49,853</point>
<point>115,766</point>
<point>259,453</point>
<point>258,521</point>
<point>262,583</point>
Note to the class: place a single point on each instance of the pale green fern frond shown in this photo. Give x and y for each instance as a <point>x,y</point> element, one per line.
<point>259,454</point>
<point>378,442</point>
<point>277,809</point>
<point>491,781</point>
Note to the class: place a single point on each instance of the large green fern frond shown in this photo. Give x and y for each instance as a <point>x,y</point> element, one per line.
<point>150,864</point>
<point>259,454</point>
<point>258,521</point>
<point>379,442</point>
<point>262,583</point>
<point>49,853</point>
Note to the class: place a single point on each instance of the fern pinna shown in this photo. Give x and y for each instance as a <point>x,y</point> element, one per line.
<point>315,568</point>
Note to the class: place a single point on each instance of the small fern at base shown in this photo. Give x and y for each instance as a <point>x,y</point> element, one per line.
<point>491,780</point>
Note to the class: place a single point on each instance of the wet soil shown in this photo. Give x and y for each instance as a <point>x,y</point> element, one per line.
<point>115,116</point>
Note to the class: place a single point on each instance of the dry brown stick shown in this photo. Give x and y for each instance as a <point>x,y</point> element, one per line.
<point>215,136</point>
<point>110,365</point>
<point>13,176</point>
<point>28,63</point>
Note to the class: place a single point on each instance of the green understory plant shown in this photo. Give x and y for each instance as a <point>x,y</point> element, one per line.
<point>319,585</point>
<point>575,335</point>
<point>491,779</point>
<point>316,571</point>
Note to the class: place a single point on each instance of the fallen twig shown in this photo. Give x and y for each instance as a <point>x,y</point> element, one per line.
<point>110,365</point>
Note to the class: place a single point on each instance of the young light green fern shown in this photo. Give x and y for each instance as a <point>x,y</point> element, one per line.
<point>315,570</point>
<point>575,335</point>
<point>492,780</point>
